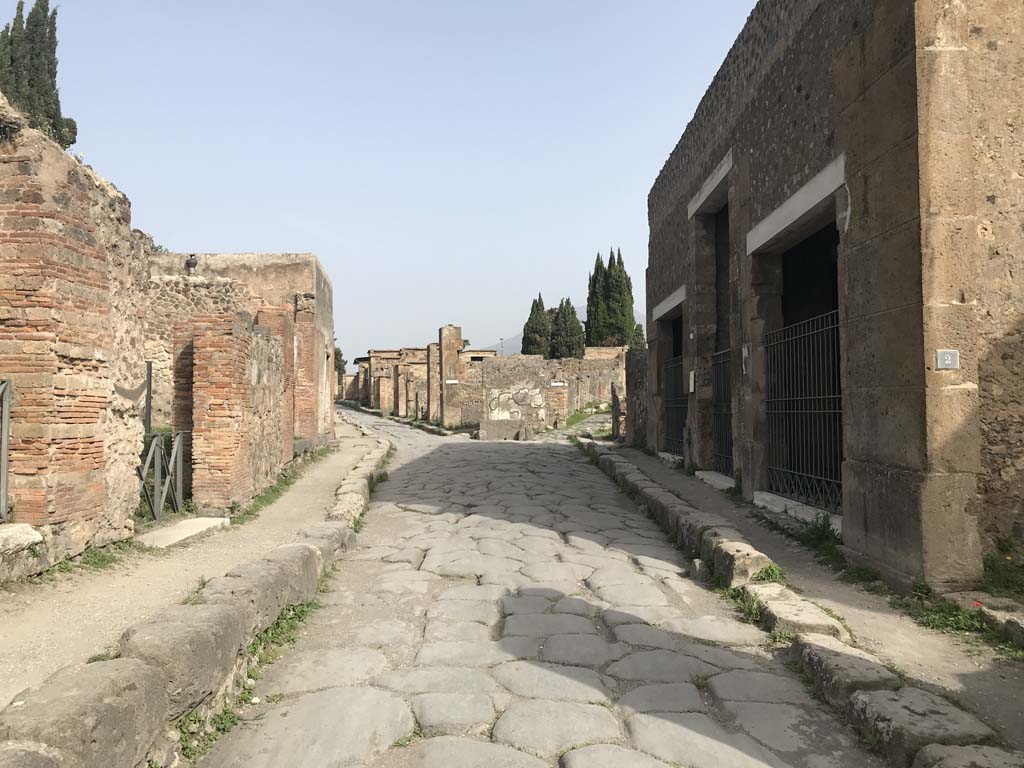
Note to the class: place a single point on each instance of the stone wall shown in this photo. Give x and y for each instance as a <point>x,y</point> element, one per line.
<point>544,393</point>
<point>635,432</point>
<point>71,293</point>
<point>908,113</point>
<point>236,415</point>
<point>349,387</point>
<point>295,281</point>
<point>170,299</point>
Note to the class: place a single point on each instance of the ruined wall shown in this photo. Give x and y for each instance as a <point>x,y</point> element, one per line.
<point>545,392</point>
<point>349,387</point>
<point>433,383</point>
<point>975,62</point>
<point>237,388</point>
<point>172,298</point>
<point>264,426</point>
<point>297,281</point>
<point>280,322</point>
<point>71,293</point>
<point>635,428</point>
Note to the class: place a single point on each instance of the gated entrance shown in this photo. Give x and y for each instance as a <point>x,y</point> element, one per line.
<point>804,394</point>
<point>721,411</point>
<point>676,406</point>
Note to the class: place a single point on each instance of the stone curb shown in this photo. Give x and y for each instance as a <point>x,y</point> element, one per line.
<point>190,658</point>
<point>911,727</point>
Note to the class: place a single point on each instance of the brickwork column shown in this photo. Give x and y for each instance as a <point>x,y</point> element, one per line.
<point>221,404</point>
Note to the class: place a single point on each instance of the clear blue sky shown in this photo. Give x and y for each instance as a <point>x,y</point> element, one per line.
<point>445,160</point>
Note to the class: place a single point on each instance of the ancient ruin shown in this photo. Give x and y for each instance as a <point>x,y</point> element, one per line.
<point>831,310</point>
<point>512,397</point>
<point>241,347</point>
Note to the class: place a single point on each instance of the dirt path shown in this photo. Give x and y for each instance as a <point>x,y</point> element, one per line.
<point>45,626</point>
<point>990,687</point>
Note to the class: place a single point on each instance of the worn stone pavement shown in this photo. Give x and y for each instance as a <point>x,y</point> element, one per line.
<point>510,608</point>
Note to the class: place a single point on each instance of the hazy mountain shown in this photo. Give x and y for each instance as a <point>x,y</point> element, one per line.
<point>514,343</point>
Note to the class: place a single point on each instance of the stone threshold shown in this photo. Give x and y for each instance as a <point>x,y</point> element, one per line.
<point>805,513</point>
<point>911,727</point>
<point>182,531</point>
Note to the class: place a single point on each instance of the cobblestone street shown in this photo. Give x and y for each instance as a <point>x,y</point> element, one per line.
<point>509,607</point>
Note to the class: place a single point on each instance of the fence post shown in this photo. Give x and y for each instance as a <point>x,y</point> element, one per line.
<point>5,441</point>
<point>179,468</point>
<point>158,475</point>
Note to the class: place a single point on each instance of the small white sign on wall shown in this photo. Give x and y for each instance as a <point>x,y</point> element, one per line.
<point>947,359</point>
<point>451,381</point>
<point>693,380</point>
<point>559,384</point>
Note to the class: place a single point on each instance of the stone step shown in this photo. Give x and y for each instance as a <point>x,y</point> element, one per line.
<point>182,531</point>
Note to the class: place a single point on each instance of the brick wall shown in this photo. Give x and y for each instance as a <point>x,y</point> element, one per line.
<point>71,276</point>
<point>220,401</point>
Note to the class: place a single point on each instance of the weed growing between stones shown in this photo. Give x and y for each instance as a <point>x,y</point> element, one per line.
<point>193,594</point>
<point>1004,570</point>
<point>199,736</point>
<point>407,741</point>
<point>360,522</point>
<point>749,608</point>
<point>92,559</point>
<point>267,646</point>
<point>929,611</point>
<point>102,656</point>
<point>771,573</point>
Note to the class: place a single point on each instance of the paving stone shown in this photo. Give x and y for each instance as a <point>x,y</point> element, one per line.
<point>557,571</point>
<point>579,606</point>
<point>662,697</point>
<point>553,590</point>
<point>582,650</point>
<point>545,728</point>
<point>533,604</point>
<point>723,657</point>
<point>639,594</point>
<point>454,752</point>
<point>327,668</point>
<point>445,629</point>
<point>378,634</point>
<point>339,726</point>
<point>655,615</point>
<point>660,667</point>
<point>411,556</point>
<point>438,680</point>
<point>717,629</point>
<point>465,610</point>
<point>479,592</point>
<point>608,756</point>
<point>452,713</point>
<point>938,756</point>
<point>543,625</point>
<point>744,685</point>
<point>477,654</point>
<point>535,680</point>
<point>696,741</point>
<point>904,721</point>
<point>791,730</point>
<point>839,670</point>
<point>646,635</point>
<point>617,576</point>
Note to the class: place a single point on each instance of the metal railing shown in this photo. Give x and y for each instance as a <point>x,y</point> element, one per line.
<point>721,411</point>
<point>675,398</point>
<point>805,412</point>
<point>5,446</point>
<point>162,472</point>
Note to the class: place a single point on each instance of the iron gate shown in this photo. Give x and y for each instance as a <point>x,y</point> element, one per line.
<point>162,472</point>
<point>721,411</point>
<point>677,404</point>
<point>5,444</point>
<point>805,412</point>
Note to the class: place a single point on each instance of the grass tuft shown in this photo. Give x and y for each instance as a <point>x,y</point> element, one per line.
<point>771,573</point>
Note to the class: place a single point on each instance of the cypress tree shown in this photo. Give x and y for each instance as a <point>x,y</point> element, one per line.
<point>597,309</point>
<point>5,60</point>
<point>19,57</point>
<point>627,307</point>
<point>537,330</point>
<point>35,98</point>
<point>28,71</point>
<point>567,337</point>
<point>639,340</point>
